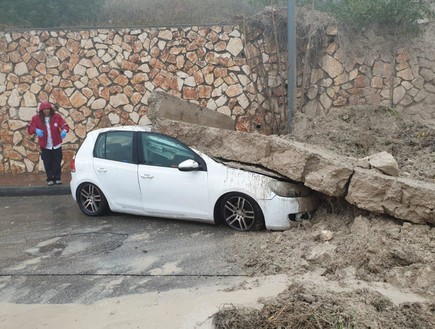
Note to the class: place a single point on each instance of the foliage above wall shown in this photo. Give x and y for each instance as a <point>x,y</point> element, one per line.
<point>174,12</point>
<point>397,15</point>
<point>81,13</point>
<point>49,13</point>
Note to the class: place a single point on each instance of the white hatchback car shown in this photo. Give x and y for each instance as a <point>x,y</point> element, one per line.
<point>132,170</point>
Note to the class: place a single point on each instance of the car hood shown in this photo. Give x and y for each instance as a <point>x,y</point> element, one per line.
<point>251,168</point>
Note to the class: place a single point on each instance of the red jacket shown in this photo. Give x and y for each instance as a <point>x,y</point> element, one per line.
<point>57,124</point>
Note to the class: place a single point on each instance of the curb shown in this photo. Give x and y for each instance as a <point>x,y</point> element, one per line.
<point>14,191</point>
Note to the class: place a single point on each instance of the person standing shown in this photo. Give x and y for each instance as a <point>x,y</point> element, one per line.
<point>51,129</point>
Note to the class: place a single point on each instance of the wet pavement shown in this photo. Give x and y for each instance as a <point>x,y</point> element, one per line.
<point>60,268</point>
<point>32,184</point>
<point>54,254</point>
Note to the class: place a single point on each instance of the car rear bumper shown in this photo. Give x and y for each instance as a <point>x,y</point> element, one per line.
<point>73,186</point>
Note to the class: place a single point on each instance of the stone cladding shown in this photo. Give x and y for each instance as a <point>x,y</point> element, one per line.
<point>101,78</point>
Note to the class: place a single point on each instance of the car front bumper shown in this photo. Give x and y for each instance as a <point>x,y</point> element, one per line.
<point>279,210</point>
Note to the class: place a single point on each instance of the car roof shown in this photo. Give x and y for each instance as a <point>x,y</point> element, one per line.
<point>235,165</point>
<point>123,128</point>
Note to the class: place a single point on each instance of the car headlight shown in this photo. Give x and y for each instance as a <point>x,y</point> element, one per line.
<point>288,189</point>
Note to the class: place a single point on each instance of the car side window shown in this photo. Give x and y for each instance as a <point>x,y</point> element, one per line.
<point>100,147</point>
<point>163,151</point>
<point>115,145</point>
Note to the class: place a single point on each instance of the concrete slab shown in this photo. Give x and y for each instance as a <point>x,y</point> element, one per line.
<point>165,106</point>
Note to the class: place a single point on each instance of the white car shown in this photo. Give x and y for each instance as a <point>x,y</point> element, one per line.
<point>132,170</point>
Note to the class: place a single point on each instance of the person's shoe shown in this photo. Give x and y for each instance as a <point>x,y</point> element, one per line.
<point>58,182</point>
<point>50,182</point>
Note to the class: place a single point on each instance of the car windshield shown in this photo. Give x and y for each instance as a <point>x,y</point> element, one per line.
<point>160,150</point>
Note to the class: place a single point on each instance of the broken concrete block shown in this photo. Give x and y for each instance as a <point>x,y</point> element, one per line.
<point>164,106</point>
<point>398,197</point>
<point>318,169</point>
<point>330,180</point>
<point>363,163</point>
<point>384,162</point>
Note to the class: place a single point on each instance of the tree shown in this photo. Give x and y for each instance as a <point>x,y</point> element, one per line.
<point>49,13</point>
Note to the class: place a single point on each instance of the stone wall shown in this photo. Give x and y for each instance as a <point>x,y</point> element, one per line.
<point>371,70</point>
<point>101,78</point>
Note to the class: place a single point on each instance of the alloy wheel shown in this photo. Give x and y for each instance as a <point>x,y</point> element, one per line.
<point>91,200</point>
<point>241,212</point>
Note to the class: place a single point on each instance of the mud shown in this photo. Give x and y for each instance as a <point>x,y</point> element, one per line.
<point>354,269</point>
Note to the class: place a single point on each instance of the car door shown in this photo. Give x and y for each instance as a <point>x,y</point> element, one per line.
<point>167,191</point>
<point>115,165</point>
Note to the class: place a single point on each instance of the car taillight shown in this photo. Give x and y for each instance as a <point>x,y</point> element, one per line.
<point>73,165</point>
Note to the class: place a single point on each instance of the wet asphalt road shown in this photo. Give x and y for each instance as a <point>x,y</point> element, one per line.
<point>52,253</point>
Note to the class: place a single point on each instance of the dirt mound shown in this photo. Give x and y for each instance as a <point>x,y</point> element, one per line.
<point>309,307</point>
<point>346,245</point>
<point>352,269</point>
<point>364,130</point>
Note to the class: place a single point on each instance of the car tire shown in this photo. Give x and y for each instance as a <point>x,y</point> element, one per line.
<point>91,200</point>
<point>241,212</point>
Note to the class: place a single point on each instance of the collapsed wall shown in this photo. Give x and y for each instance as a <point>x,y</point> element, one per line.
<point>322,171</point>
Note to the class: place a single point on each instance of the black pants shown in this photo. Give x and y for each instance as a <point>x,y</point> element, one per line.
<point>52,160</point>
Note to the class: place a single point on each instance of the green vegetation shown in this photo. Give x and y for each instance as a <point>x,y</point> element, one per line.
<point>400,15</point>
<point>49,13</point>
<point>174,12</point>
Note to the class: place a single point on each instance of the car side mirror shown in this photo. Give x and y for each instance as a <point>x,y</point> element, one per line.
<point>188,165</point>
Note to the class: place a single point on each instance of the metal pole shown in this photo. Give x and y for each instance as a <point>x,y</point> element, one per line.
<point>291,53</point>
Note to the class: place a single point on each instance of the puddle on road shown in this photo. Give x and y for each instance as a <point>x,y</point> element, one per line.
<point>177,309</point>
<point>37,249</point>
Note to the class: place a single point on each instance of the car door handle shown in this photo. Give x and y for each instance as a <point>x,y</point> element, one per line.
<point>148,176</point>
<point>102,169</point>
